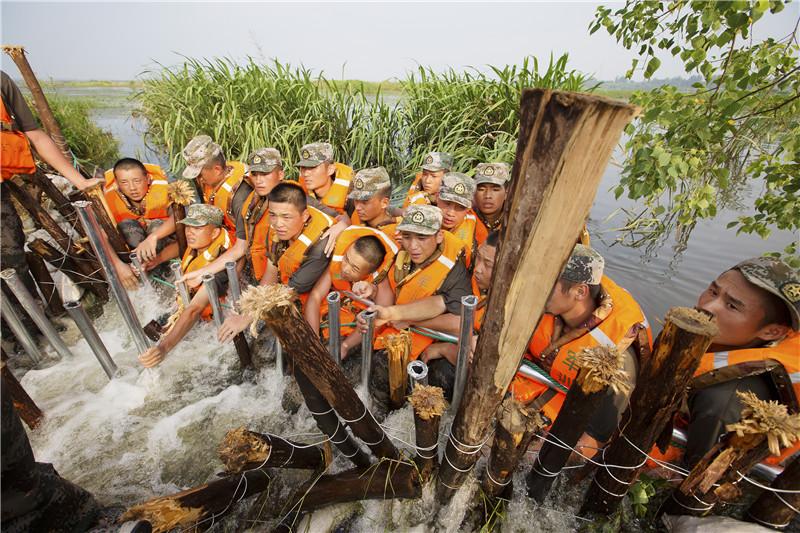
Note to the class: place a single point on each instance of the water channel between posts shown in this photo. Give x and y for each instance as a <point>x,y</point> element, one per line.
<point>155,432</point>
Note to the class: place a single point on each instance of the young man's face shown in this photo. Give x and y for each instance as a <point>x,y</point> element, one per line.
<point>452,213</point>
<point>372,209</point>
<point>420,247</point>
<point>354,266</point>
<point>132,183</point>
<point>738,308</point>
<point>317,177</point>
<point>484,266</point>
<point>559,301</point>
<point>489,198</point>
<point>287,221</point>
<point>264,182</point>
<point>199,237</point>
<point>431,180</point>
<point>212,175</point>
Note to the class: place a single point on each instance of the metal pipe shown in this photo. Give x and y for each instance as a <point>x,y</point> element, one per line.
<point>81,319</point>
<point>103,251</point>
<point>334,327</point>
<point>359,299</point>
<point>140,273</point>
<point>183,290</point>
<point>233,283</point>
<point>213,297</point>
<point>280,364</point>
<point>366,348</point>
<point>24,337</point>
<point>35,310</point>
<point>468,304</point>
<point>432,333</point>
<point>417,373</point>
<point>532,374</point>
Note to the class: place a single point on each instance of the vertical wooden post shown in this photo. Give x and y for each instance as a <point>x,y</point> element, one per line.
<point>28,411</point>
<point>429,405</point>
<point>565,143</point>
<point>44,280</point>
<point>776,509</point>
<point>516,427</point>
<point>686,335</point>
<point>181,193</point>
<point>398,348</point>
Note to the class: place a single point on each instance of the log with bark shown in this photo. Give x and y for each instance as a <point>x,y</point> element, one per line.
<point>28,411</point>
<point>242,450</point>
<point>61,203</point>
<point>661,386</point>
<point>44,280</point>
<point>181,194</point>
<point>398,350</point>
<point>565,142</point>
<point>777,508</point>
<point>429,404</point>
<point>74,269</point>
<point>97,196</point>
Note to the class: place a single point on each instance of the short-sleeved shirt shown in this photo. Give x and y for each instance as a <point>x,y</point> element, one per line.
<point>21,116</point>
<point>311,269</point>
<point>456,285</point>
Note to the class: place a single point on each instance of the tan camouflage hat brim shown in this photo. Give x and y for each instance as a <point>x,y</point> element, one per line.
<point>192,171</point>
<point>422,220</point>
<point>775,277</point>
<point>460,200</point>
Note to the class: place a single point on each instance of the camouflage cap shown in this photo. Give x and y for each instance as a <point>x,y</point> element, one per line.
<point>496,173</point>
<point>776,277</point>
<point>202,215</point>
<point>585,265</point>
<point>421,219</point>
<point>314,154</point>
<point>435,161</point>
<point>369,181</point>
<point>458,188</point>
<point>264,160</point>
<point>198,153</point>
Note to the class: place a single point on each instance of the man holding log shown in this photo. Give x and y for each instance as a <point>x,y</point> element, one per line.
<point>491,181</point>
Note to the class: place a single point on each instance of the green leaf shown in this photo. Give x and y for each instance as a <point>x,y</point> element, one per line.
<point>652,66</point>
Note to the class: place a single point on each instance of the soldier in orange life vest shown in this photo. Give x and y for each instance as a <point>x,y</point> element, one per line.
<point>206,238</point>
<point>252,225</point>
<point>427,182</point>
<point>222,182</point>
<point>295,247</point>
<point>428,280</point>
<point>361,254</point>
<point>491,182</point>
<point>371,191</point>
<point>756,305</point>
<point>137,195</point>
<point>455,201</point>
<point>585,309</point>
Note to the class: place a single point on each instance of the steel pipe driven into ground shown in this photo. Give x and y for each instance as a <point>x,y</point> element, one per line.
<point>24,337</point>
<point>183,290</point>
<point>468,304</point>
<point>35,311</point>
<point>103,251</point>
<point>233,283</point>
<point>213,298</point>
<point>417,373</point>
<point>334,326</point>
<point>81,319</point>
<point>366,350</point>
<point>140,272</point>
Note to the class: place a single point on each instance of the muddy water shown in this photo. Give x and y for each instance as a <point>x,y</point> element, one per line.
<point>156,431</point>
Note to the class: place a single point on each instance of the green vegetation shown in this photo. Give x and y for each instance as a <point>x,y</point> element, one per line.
<point>471,114</point>
<point>737,129</point>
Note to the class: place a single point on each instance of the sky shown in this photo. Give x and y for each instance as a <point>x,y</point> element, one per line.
<point>371,41</point>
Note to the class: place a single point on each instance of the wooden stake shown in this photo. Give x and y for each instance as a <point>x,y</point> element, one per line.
<point>242,449</point>
<point>275,305</point>
<point>565,142</point>
<point>663,378</point>
<point>74,270</point>
<point>600,369</point>
<point>516,427</point>
<point>44,280</point>
<point>429,405</point>
<point>96,195</point>
<point>398,349</point>
<point>61,203</point>
<point>179,213</point>
<point>181,194</point>
<point>28,411</point>
<point>773,508</point>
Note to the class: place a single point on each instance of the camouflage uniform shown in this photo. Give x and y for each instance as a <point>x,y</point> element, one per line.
<point>458,188</point>
<point>436,161</point>
<point>264,160</point>
<point>314,154</point>
<point>494,173</point>
<point>368,182</point>
<point>198,153</point>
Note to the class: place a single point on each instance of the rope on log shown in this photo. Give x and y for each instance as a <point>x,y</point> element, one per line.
<point>242,450</point>
<point>429,404</point>
<point>778,505</point>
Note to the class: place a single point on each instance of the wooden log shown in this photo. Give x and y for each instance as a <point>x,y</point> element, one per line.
<point>398,349</point>
<point>181,193</point>
<point>777,509</point>
<point>74,270</point>
<point>200,506</point>
<point>61,203</point>
<point>388,479</point>
<point>565,142</point>
<point>242,350</point>
<point>44,280</point>
<point>179,213</point>
<point>663,378</point>
<point>764,428</point>
<point>429,405</point>
<point>242,449</point>
<point>28,411</point>
<point>600,370</point>
<point>516,427</point>
<point>275,305</point>
<point>96,195</point>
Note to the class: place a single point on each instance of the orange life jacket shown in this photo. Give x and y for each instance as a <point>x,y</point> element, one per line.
<point>482,230</point>
<point>389,227</point>
<point>222,195</point>
<point>421,283</point>
<point>256,230</point>
<point>625,314</point>
<point>350,309</point>
<point>480,309</point>
<point>15,151</point>
<point>156,201</point>
<point>466,232</point>
<point>336,197</point>
<point>416,195</point>
<point>193,261</point>
<point>294,255</point>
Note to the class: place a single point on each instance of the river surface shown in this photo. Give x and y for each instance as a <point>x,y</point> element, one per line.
<point>154,432</point>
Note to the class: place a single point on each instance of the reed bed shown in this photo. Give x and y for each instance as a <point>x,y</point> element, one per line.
<point>471,114</point>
